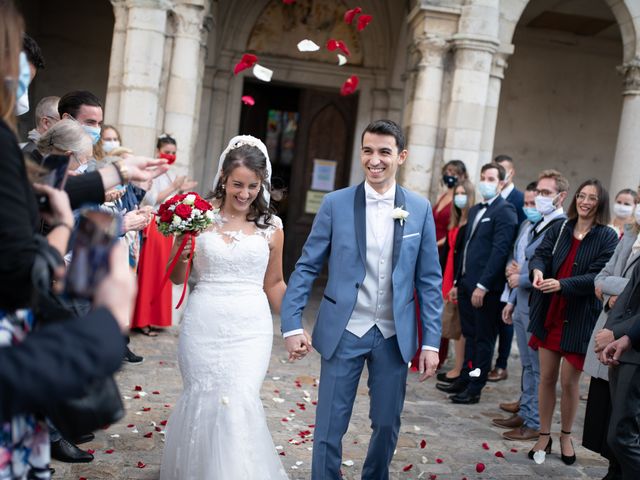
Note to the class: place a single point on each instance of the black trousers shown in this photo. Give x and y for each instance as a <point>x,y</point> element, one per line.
<point>624,427</point>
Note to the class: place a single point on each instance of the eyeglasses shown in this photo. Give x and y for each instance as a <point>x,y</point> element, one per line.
<point>545,193</point>
<point>582,198</point>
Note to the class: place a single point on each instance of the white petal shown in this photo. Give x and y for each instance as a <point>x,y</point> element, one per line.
<point>293,467</point>
<point>279,447</point>
<point>341,59</point>
<point>275,378</point>
<point>416,428</point>
<point>126,398</point>
<point>475,372</point>
<point>225,400</point>
<point>424,459</point>
<point>278,399</point>
<point>115,435</point>
<point>299,462</point>
<point>539,456</point>
<point>308,46</point>
<point>135,430</point>
<point>262,73</point>
<point>348,463</point>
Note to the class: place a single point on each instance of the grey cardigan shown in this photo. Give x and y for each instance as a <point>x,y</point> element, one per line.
<point>612,280</point>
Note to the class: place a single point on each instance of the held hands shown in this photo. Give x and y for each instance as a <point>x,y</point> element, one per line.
<point>612,352</point>
<point>513,280</point>
<point>507,314</point>
<point>603,338</point>
<point>427,364</point>
<point>453,295</point>
<point>512,269</point>
<point>549,285</point>
<point>298,346</point>
<point>477,297</point>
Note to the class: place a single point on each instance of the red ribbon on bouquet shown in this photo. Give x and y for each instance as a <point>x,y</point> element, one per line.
<point>172,265</point>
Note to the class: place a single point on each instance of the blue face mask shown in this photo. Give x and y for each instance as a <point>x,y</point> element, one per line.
<point>488,190</point>
<point>460,200</point>
<point>94,133</point>
<point>24,76</point>
<point>533,215</point>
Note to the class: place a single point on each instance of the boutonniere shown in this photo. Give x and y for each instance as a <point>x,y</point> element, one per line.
<point>399,214</point>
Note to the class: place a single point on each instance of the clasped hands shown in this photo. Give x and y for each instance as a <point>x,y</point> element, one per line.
<point>298,345</point>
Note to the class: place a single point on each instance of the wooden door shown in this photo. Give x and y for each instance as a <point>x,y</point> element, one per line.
<point>326,131</point>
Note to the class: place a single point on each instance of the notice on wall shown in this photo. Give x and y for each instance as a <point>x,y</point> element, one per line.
<point>324,175</point>
<point>313,201</point>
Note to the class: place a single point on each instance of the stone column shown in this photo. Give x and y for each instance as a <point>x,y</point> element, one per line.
<point>474,45</point>
<point>422,109</point>
<point>185,80</point>
<point>491,108</point>
<point>626,163</point>
<point>143,52</point>
<point>116,63</point>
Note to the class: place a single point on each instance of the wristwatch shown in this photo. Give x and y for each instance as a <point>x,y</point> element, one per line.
<point>122,170</point>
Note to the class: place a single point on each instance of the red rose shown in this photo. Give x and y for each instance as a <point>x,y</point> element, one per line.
<point>166,216</point>
<point>171,201</point>
<point>183,211</point>
<point>201,204</point>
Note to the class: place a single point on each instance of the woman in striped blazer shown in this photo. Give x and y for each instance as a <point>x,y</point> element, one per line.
<point>564,307</point>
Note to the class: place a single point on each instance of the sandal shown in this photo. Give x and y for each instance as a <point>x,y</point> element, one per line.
<point>148,331</point>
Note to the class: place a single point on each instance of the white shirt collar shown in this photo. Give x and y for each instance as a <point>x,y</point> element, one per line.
<point>507,190</point>
<point>549,217</point>
<point>371,193</point>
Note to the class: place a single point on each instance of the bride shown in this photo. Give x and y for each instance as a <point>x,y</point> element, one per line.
<point>218,429</point>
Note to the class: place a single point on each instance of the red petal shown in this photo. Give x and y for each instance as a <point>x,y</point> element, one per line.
<point>514,450</point>
<point>313,425</point>
<point>499,454</point>
<point>158,429</point>
<point>163,423</point>
<point>433,476</point>
<point>131,425</point>
<point>363,21</point>
<point>284,419</point>
<point>141,465</point>
<point>148,435</point>
<point>423,443</point>
<point>248,100</point>
<point>288,2</point>
<point>91,451</point>
<point>332,44</point>
<point>248,60</point>
<point>281,453</point>
<point>351,14</point>
<point>343,46</point>
<point>480,467</point>
<point>136,396</point>
<point>350,85</point>
<point>137,388</point>
<point>109,452</point>
<point>156,392</point>
<point>82,478</point>
<point>314,402</point>
<point>439,460</point>
<point>470,365</point>
<point>167,405</point>
<point>146,409</point>
<point>406,468</point>
<point>485,445</point>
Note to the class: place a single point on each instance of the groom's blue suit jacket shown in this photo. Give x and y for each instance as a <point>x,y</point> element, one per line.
<point>339,234</point>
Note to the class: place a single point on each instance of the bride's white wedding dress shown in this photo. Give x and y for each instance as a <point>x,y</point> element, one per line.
<point>218,429</point>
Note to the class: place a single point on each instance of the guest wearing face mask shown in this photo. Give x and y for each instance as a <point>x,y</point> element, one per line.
<point>480,281</point>
<point>109,140</point>
<point>85,108</point>
<point>609,284</point>
<point>623,209</point>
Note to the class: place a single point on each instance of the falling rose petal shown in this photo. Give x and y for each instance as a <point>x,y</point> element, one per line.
<point>347,463</point>
<point>343,46</point>
<point>262,73</point>
<point>351,14</point>
<point>485,445</point>
<point>349,86</point>
<point>288,2</point>
<point>332,44</point>
<point>91,451</point>
<point>248,100</point>
<point>137,388</point>
<point>248,60</point>
<point>475,372</point>
<point>433,476</point>
<point>499,454</point>
<point>514,450</point>
<point>141,465</point>
<point>148,435</point>
<point>423,443</point>
<point>539,457</point>
<point>406,468</point>
<point>308,46</point>
<point>480,467</point>
<point>470,365</point>
<point>342,60</point>
<point>363,21</point>
<point>439,460</point>
<point>109,451</point>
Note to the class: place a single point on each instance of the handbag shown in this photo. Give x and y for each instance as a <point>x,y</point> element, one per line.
<point>451,327</point>
<point>100,404</point>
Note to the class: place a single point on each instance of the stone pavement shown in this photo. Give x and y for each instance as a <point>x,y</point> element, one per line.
<point>453,435</point>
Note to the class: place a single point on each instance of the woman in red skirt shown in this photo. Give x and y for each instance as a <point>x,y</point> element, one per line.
<point>564,307</point>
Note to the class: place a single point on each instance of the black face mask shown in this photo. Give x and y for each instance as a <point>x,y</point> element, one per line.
<point>449,180</point>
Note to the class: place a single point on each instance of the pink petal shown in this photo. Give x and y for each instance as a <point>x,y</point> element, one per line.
<point>480,467</point>
<point>248,100</point>
<point>363,21</point>
<point>351,14</point>
<point>248,60</point>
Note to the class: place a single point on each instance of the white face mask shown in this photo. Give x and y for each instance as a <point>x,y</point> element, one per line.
<point>22,104</point>
<point>622,211</point>
<point>108,145</point>
<point>545,204</point>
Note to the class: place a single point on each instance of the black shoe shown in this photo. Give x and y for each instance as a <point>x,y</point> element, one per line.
<point>465,398</point>
<point>131,357</point>
<point>568,459</point>
<point>546,449</point>
<point>89,437</point>
<point>65,451</point>
<point>456,387</point>
<point>442,377</point>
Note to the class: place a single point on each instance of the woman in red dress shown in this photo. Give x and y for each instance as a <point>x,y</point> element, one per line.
<point>153,306</point>
<point>564,307</point>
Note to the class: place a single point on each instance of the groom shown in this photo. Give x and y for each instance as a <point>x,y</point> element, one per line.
<point>380,242</point>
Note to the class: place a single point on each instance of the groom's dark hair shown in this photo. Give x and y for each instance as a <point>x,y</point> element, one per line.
<point>386,127</point>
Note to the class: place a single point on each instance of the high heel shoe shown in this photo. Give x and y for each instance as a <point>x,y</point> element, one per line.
<point>546,449</point>
<point>568,460</point>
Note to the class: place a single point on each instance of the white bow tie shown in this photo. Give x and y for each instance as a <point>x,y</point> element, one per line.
<point>387,198</point>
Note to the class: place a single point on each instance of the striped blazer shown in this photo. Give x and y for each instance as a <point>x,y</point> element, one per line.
<point>583,307</point>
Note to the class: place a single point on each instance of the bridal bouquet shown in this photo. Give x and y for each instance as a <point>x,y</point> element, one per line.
<point>186,214</point>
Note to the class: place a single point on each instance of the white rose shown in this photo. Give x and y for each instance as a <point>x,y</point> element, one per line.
<point>189,199</point>
<point>176,220</point>
<point>209,214</point>
<point>399,214</point>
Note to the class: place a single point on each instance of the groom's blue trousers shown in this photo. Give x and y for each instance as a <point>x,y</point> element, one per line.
<point>339,377</point>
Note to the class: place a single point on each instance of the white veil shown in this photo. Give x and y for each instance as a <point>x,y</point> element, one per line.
<point>239,141</point>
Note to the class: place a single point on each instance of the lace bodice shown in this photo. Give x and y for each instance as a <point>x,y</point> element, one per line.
<point>233,257</point>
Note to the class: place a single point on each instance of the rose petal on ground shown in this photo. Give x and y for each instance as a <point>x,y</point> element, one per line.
<point>539,456</point>
<point>148,435</point>
<point>163,423</point>
<point>406,468</point>
<point>91,451</point>
<point>416,428</point>
<point>146,409</point>
<point>155,392</point>
<point>424,459</point>
<point>307,45</point>
<point>347,463</point>
<point>109,451</point>
<point>135,430</point>
<point>349,15</point>
<point>423,443</point>
<point>131,425</point>
<point>275,378</point>
<point>342,60</point>
<point>363,21</point>
<point>167,405</point>
<point>137,388</point>
<point>262,73</point>
<point>514,450</point>
<point>288,2</point>
<point>433,476</point>
<point>126,397</point>
<point>158,429</point>
<point>282,453</point>
<point>480,467</point>
<point>485,445</point>
<point>278,399</point>
<point>499,454</point>
<point>141,465</point>
<point>248,100</point>
<point>115,435</point>
<point>475,372</point>
<point>439,460</point>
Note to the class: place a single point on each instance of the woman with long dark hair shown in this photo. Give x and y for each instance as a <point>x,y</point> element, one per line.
<point>564,307</point>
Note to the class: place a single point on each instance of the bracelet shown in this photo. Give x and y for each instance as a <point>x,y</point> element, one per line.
<point>123,173</point>
<point>62,224</point>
